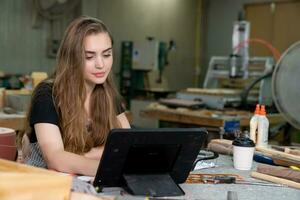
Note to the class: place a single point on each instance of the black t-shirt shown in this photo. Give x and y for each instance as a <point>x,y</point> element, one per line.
<point>43,109</point>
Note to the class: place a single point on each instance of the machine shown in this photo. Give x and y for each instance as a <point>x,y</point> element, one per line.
<point>142,66</point>
<point>285,85</point>
<point>234,73</point>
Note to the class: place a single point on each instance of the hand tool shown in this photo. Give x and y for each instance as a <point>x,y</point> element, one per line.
<point>232,179</point>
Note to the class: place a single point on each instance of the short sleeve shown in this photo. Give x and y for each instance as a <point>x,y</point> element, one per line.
<point>43,109</point>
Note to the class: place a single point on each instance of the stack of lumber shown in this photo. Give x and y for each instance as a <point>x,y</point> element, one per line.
<point>280,174</point>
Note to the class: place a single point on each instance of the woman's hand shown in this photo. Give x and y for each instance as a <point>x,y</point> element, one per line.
<point>95,153</point>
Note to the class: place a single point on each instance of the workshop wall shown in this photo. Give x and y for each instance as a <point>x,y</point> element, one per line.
<point>164,19</point>
<point>23,37</point>
<point>22,48</point>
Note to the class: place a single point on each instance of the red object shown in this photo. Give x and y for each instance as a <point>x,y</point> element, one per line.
<point>8,148</point>
<point>257,109</point>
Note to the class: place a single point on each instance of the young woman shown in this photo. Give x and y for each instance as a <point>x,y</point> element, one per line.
<point>71,114</point>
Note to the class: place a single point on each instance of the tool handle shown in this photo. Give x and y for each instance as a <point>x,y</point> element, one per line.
<point>225,179</point>
<point>275,179</point>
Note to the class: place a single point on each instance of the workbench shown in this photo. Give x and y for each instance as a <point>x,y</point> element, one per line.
<point>219,191</point>
<point>211,119</point>
<point>13,121</point>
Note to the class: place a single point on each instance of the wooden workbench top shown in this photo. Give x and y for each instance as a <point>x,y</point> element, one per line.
<point>202,117</point>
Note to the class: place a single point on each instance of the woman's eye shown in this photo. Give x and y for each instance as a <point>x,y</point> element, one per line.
<point>88,57</point>
<point>107,55</point>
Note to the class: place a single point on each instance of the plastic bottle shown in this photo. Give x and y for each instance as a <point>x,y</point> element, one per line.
<point>254,123</point>
<point>263,128</point>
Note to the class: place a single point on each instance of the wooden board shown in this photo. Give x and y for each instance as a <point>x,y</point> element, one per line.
<point>278,154</point>
<point>278,171</point>
<point>274,179</point>
<point>19,181</point>
<point>9,166</point>
<point>15,185</point>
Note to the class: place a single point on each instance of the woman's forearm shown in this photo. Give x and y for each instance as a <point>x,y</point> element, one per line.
<point>95,153</point>
<point>72,163</point>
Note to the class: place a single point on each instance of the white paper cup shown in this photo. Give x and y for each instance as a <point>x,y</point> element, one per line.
<point>243,150</point>
<point>242,157</point>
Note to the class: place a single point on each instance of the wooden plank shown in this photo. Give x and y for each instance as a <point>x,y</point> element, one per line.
<point>281,172</point>
<point>33,186</point>
<point>285,162</point>
<point>19,181</point>
<point>10,166</point>
<point>292,151</point>
<point>275,179</point>
<point>278,154</point>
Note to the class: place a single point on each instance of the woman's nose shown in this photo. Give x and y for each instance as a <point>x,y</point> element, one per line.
<point>99,62</point>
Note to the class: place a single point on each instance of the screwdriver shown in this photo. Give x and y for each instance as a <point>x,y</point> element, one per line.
<point>232,179</point>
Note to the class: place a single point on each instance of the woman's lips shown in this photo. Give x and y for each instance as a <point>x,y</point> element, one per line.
<point>99,75</point>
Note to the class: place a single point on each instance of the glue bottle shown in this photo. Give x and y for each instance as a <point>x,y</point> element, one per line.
<point>263,128</point>
<point>254,123</point>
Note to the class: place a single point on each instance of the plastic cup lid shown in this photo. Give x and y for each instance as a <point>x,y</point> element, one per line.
<point>243,142</point>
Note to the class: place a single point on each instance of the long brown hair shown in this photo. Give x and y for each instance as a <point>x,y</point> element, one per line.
<point>78,133</point>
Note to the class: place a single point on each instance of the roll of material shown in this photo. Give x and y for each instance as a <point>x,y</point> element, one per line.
<point>8,148</point>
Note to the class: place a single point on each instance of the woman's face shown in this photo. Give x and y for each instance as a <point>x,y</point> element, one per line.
<point>98,58</point>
